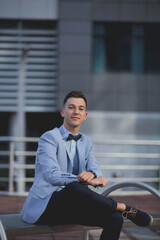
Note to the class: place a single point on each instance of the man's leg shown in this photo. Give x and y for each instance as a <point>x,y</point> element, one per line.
<point>77,204</point>
<point>112,227</point>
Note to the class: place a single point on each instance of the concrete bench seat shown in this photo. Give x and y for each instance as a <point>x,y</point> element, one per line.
<point>12,225</point>
<point>15,226</point>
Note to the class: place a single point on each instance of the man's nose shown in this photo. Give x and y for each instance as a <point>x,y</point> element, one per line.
<point>76,111</point>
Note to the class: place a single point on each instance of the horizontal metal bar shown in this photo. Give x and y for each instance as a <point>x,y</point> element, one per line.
<point>5,179</point>
<point>126,142</point>
<point>40,74</point>
<point>8,101</point>
<point>139,179</point>
<point>43,108</point>
<point>8,108</point>
<point>37,67</point>
<point>3,165</point>
<point>7,193</point>
<point>31,53</point>
<point>13,74</point>
<point>40,102</point>
<point>26,32</point>
<point>19,166</point>
<point>44,60</point>
<point>131,167</point>
<point>39,81</point>
<point>4,153</point>
<point>8,81</point>
<point>127,155</point>
<point>24,179</point>
<point>142,179</point>
<point>18,139</point>
<point>9,88</point>
<point>25,153</point>
<point>35,95</point>
<point>103,167</point>
<point>40,88</point>
<point>29,39</point>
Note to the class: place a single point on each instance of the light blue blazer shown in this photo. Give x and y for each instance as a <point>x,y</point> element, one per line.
<point>51,170</point>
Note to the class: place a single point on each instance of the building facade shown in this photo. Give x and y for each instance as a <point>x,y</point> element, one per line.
<point>108,49</point>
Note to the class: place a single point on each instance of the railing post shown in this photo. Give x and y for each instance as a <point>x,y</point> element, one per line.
<point>11,166</point>
<point>86,235</point>
<point>159,179</point>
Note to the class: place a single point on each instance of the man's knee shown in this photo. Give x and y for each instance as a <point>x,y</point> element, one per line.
<point>75,186</point>
<point>117,218</point>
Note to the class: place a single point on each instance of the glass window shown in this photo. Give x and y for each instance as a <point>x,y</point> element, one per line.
<point>153,48</point>
<point>126,47</point>
<point>137,48</point>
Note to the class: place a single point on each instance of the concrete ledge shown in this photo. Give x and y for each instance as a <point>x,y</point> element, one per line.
<point>14,226</point>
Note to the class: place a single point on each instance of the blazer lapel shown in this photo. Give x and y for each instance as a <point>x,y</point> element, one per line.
<point>81,153</point>
<point>65,145</point>
<point>64,142</point>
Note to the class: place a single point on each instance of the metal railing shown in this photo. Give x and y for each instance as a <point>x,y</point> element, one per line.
<point>9,155</point>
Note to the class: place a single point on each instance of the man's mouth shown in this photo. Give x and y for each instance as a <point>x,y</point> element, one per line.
<point>75,118</point>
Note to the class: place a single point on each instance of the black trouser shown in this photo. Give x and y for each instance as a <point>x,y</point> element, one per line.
<point>77,204</point>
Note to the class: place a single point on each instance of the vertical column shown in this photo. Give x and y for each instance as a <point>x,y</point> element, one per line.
<point>21,119</point>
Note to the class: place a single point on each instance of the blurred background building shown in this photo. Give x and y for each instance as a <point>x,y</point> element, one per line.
<point>109,49</point>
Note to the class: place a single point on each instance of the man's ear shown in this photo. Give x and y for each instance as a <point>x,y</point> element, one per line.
<point>62,112</point>
<point>85,116</point>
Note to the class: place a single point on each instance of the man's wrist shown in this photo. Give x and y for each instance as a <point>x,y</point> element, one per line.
<point>94,174</point>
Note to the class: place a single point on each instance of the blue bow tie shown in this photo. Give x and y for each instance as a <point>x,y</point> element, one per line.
<point>73,137</point>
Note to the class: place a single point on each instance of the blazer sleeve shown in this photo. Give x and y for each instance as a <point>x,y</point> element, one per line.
<point>48,161</point>
<point>91,162</point>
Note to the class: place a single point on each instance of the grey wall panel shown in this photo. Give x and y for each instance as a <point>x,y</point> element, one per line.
<point>75,26</point>
<point>132,11</point>
<point>105,11</point>
<point>105,82</point>
<point>75,43</point>
<point>153,82</point>
<point>103,99</point>
<point>133,83</point>
<point>133,102</point>
<point>153,102</point>
<point>75,29</point>
<point>122,125</point>
<point>153,11</point>
<point>75,81</point>
<point>126,10</point>
<point>74,9</point>
<point>74,62</point>
<point>6,11</point>
<point>30,9</point>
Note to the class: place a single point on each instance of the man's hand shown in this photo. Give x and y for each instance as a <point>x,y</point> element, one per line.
<point>88,179</point>
<point>99,181</point>
<point>85,177</point>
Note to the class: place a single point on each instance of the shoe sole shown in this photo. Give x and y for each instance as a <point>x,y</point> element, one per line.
<point>151,221</point>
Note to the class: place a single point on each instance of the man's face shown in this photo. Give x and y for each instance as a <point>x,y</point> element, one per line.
<point>74,113</point>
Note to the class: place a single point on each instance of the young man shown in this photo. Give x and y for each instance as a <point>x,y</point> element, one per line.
<point>65,166</point>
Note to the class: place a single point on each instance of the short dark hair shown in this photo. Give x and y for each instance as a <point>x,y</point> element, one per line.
<point>75,94</point>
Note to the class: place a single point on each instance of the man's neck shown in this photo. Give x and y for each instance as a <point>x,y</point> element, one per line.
<point>72,130</point>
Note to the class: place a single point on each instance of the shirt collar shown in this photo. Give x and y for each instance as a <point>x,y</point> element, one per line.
<point>65,132</point>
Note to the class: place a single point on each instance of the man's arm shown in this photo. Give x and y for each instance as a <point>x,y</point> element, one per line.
<point>88,178</point>
<point>92,174</point>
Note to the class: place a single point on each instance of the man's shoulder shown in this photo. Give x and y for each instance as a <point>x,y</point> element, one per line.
<point>86,137</point>
<point>51,133</point>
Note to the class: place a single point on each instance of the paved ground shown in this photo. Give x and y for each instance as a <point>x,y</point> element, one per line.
<point>147,203</point>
